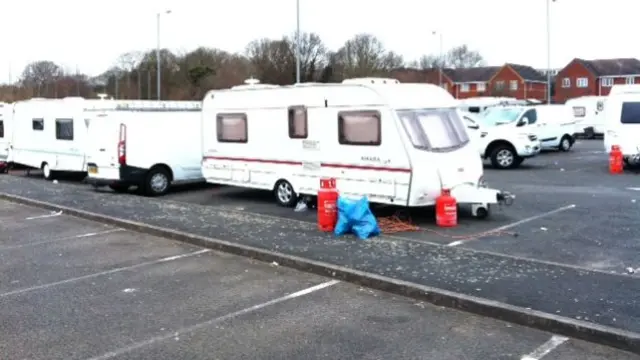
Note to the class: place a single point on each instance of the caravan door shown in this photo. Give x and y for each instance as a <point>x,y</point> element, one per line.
<point>70,132</point>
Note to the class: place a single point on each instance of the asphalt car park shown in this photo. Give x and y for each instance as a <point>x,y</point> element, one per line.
<point>567,202</point>
<point>75,289</point>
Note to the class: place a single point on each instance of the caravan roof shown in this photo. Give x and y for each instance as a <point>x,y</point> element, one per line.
<point>355,92</point>
<point>624,89</point>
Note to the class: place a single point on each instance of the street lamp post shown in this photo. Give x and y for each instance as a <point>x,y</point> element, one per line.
<point>441,57</point>
<point>297,41</point>
<point>158,61</point>
<point>549,51</point>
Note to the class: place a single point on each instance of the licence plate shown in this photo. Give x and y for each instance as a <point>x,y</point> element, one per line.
<point>92,170</point>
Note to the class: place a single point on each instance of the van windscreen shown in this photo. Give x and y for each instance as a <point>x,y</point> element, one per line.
<point>435,130</point>
<point>630,113</point>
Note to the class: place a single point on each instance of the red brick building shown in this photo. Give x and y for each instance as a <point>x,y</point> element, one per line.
<point>594,77</point>
<point>519,81</point>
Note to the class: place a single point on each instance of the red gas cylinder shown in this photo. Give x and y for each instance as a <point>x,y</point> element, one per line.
<point>327,204</point>
<point>446,209</point>
<point>616,163</point>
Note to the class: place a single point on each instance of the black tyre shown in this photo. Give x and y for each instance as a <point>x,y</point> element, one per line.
<point>285,196</point>
<point>157,182</point>
<point>565,143</point>
<point>119,188</point>
<point>504,157</point>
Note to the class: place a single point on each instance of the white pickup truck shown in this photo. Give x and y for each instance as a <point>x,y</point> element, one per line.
<point>506,147</point>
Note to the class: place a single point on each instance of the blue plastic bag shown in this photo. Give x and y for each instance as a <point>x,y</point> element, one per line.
<point>355,217</point>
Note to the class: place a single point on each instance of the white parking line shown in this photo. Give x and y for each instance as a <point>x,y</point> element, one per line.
<point>545,348</point>
<point>3,248</point>
<point>102,273</point>
<point>514,224</point>
<point>201,325</point>
<point>52,214</point>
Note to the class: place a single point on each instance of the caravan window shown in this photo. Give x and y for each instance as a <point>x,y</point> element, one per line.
<point>298,122</point>
<point>1,129</point>
<point>64,129</point>
<point>232,128</point>
<point>437,130</point>
<point>630,113</point>
<point>37,124</point>
<point>359,128</point>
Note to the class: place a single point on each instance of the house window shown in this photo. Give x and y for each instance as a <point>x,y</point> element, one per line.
<point>607,82</point>
<point>481,87</point>
<point>232,128</point>
<point>631,80</point>
<point>499,85</point>
<point>298,122</point>
<point>359,128</point>
<point>1,129</point>
<point>582,82</point>
<point>37,124</point>
<point>513,85</point>
<point>464,88</point>
<point>566,83</point>
<point>64,129</point>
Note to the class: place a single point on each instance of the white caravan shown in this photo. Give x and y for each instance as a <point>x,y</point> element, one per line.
<point>6,132</point>
<point>50,134</point>
<point>148,144</point>
<point>505,146</point>
<point>622,125</point>
<point>588,113</point>
<point>481,103</point>
<point>395,143</point>
<point>553,124</point>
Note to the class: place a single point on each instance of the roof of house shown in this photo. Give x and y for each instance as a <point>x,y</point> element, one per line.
<point>612,67</point>
<point>528,73</point>
<point>476,74</point>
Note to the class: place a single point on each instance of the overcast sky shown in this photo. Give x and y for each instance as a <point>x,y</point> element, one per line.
<point>90,36</point>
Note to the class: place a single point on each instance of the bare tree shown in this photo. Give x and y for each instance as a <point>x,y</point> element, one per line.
<point>364,55</point>
<point>463,57</point>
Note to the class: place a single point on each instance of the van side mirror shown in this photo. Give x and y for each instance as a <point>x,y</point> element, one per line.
<point>522,122</point>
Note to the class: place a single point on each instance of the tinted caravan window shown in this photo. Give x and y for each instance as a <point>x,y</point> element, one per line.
<point>630,113</point>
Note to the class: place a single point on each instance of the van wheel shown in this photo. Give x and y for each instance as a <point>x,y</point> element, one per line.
<point>47,172</point>
<point>565,143</point>
<point>119,188</point>
<point>503,157</point>
<point>157,182</point>
<point>285,196</point>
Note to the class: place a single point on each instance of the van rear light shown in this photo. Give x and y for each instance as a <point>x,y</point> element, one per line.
<point>122,145</point>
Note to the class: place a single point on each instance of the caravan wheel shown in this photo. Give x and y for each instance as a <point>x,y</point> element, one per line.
<point>285,196</point>
<point>47,172</point>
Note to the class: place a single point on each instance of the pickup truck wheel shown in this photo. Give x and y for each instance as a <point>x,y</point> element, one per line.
<point>565,143</point>
<point>503,157</point>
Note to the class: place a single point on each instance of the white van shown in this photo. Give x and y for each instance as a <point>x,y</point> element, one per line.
<point>50,134</point>
<point>553,124</point>
<point>6,132</point>
<point>148,144</point>
<point>505,146</point>
<point>394,143</point>
<point>588,113</point>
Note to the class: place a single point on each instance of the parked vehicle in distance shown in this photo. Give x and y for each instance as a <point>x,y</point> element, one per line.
<point>622,124</point>
<point>148,144</point>
<point>588,113</point>
<point>394,143</point>
<point>505,146</point>
<point>6,132</point>
<point>51,134</point>
<point>552,124</point>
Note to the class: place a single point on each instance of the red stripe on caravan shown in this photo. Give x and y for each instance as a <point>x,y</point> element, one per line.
<point>330,165</point>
